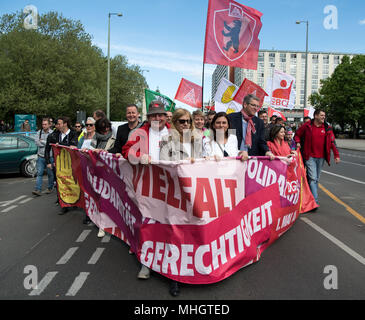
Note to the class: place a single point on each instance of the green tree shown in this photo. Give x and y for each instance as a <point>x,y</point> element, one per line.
<point>56,70</point>
<point>126,86</point>
<point>342,95</point>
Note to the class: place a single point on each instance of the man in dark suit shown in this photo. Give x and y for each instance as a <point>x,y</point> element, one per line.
<point>250,130</point>
<point>132,115</point>
<point>63,136</point>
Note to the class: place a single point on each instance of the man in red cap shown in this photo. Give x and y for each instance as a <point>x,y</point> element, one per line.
<point>143,145</point>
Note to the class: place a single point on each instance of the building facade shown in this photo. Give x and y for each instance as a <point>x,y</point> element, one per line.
<point>320,66</point>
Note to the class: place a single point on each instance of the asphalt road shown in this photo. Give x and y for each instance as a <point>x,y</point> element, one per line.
<point>320,257</point>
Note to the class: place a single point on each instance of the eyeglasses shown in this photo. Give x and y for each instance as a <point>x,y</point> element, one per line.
<point>182,121</point>
<point>89,124</point>
<point>77,126</point>
<point>254,105</point>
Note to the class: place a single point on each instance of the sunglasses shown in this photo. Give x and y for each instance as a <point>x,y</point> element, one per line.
<point>89,124</point>
<point>77,126</point>
<point>182,121</point>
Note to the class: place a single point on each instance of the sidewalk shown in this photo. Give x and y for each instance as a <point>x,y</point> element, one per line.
<point>353,144</point>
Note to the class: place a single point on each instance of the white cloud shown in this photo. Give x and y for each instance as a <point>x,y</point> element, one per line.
<point>362,22</point>
<point>184,64</point>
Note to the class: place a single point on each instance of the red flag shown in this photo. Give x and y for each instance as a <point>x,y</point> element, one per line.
<point>249,87</point>
<point>231,36</point>
<point>189,93</point>
<point>272,111</point>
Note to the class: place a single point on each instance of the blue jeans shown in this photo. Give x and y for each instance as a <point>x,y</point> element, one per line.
<point>314,168</point>
<point>41,165</point>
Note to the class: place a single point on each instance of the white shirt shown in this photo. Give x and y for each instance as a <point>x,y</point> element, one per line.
<point>63,135</point>
<point>230,147</point>
<point>154,142</point>
<point>87,144</point>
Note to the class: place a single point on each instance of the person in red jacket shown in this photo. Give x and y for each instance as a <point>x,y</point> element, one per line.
<point>316,140</point>
<point>143,144</point>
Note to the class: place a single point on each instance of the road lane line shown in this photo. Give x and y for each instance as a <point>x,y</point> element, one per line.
<point>43,284</point>
<point>9,208</point>
<point>96,255</point>
<point>337,242</point>
<point>346,178</point>
<point>67,256</point>
<point>358,164</point>
<point>26,200</point>
<point>77,284</point>
<point>339,201</point>
<point>83,235</point>
<point>106,238</point>
<point>6,203</point>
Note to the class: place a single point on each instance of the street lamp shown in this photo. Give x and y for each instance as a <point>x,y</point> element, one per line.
<point>108,73</point>
<point>306,62</point>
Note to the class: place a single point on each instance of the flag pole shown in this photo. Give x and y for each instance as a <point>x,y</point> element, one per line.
<point>203,89</point>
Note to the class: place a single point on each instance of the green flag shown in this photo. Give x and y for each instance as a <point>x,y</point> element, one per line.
<point>152,95</point>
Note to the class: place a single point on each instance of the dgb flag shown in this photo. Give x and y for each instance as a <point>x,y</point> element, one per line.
<point>231,36</point>
<point>153,95</point>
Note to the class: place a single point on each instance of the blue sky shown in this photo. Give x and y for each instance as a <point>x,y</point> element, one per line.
<point>166,37</point>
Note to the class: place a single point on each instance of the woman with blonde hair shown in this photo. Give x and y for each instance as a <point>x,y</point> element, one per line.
<point>183,141</point>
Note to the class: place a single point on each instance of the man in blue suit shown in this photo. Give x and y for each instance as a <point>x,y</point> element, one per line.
<point>250,130</point>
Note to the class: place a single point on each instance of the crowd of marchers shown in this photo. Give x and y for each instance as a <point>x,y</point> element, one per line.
<point>182,135</point>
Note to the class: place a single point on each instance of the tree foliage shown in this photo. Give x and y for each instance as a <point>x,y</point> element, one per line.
<point>55,70</point>
<point>342,96</point>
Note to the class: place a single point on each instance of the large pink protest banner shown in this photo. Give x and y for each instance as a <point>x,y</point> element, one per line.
<point>194,223</point>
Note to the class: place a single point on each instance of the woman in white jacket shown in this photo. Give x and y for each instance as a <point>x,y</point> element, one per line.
<point>223,142</point>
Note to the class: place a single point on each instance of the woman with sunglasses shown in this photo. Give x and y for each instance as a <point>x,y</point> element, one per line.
<point>183,142</point>
<point>222,143</point>
<point>277,144</point>
<point>88,140</point>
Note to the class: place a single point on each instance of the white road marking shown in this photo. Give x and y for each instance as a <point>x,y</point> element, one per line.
<point>9,208</point>
<point>83,235</point>
<point>77,284</point>
<point>43,284</point>
<point>7,202</point>
<point>358,164</point>
<point>106,238</point>
<point>346,178</point>
<point>337,242</point>
<point>96,255</point>
<point>67,256</point>
<point>26,200</point>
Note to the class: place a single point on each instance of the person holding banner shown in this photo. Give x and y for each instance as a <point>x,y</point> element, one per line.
<point>124,130</point>
<point>88,140</point>
<point>222,143</point>
<point>250,129</point>
<point>277,144</point>
<point>183,142</point>
<point>143,146</point>
<point>199,121</point>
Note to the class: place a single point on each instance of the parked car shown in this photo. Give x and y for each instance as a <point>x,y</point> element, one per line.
<point>18,153</point>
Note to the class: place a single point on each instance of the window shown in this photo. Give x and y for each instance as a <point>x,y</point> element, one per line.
<point>8,143</point>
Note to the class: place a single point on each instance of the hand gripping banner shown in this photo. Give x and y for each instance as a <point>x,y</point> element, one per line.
<point>194,223</point>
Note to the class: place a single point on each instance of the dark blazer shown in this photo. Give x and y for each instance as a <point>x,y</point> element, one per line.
<point>259,146</point>
<point>54,137</point>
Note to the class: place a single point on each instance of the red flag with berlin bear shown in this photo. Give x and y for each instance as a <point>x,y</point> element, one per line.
<point>231,36</point>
